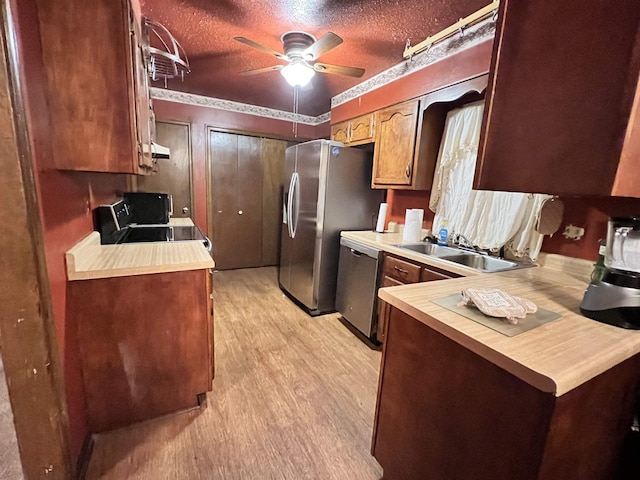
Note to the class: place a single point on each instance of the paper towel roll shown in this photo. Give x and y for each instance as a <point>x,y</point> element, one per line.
<point>412,225</point>
<point>382,216</point>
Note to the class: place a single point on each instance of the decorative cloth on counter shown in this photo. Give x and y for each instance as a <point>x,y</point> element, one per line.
<point>488,219</point>
<point>497,303</point>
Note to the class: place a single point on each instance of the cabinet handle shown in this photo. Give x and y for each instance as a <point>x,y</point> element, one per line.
<point>401,270</point>
<point>407,171</point>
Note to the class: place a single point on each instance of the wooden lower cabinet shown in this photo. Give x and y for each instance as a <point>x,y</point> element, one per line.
<point>145,344</point>
<point>401,271</point>
<point>443,412</point>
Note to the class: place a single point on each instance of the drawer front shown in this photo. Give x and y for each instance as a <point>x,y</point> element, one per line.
<point>362,129</point>
<point>401,270</point>
<point>429,275</point>
<point>390,282</point>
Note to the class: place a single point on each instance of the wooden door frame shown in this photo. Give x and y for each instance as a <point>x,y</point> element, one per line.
<point>29,348</point>
<point>134,179</point>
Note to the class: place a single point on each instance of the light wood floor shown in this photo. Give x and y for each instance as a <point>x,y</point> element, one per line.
<point>293,398</point>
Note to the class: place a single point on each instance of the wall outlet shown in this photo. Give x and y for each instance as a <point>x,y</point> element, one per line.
<point>572,232</point>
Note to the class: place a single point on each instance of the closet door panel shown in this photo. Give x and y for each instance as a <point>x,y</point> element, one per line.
<point>249,200</point>
<point>224,229</point>
<point>273,152</point>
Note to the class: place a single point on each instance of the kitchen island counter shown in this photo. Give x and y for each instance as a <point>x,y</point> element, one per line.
<point>555,357</point>
<point>457,399</point>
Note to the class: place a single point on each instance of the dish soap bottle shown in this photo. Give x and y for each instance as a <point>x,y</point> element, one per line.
<point>443,234</point>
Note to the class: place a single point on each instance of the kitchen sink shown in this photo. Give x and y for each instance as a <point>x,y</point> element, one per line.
<point>478,261</point>
<point>483,262</point>
<point>428,249</point>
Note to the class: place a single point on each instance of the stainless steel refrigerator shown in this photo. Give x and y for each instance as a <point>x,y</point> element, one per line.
<point>329,190</point>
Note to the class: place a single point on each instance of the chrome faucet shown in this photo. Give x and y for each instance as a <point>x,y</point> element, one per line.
<point>464,242</point>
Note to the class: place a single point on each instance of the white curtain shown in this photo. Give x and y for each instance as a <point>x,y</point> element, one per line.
<point>488,219</point>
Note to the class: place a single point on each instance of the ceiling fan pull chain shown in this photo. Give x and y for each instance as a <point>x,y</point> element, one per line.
<point>295,110</point>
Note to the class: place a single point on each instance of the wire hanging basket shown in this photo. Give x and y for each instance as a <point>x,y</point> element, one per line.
<point>168,61</point>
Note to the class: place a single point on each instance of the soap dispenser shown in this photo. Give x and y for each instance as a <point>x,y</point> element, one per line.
<point>443,234</point>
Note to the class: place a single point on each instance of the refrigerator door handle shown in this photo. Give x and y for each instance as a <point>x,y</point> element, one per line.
<point>285,212</point>
<point>289,208</point>
<point>294,196</point>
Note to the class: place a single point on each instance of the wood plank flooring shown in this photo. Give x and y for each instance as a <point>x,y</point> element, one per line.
<point>293,398</point>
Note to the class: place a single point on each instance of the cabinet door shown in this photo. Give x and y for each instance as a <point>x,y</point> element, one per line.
<point>89,85</point>
<point>210,328</point>
<point>395,143</point>
<point>340,132</point>
<point>429,275</point>
<point>142,98</point>
<point>563,80</point>
<point>142,356</point>
<point>391,282</point>
<point>362,129</point>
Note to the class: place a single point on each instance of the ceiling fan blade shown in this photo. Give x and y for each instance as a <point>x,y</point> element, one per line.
<point>261,70</point>
<point>327,42</point>
<point>260,47</point>
<point>338,69</point>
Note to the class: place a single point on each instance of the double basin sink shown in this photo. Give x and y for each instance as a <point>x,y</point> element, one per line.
<point>483,263</point>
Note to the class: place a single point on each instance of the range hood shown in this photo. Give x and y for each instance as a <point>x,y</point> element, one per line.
<point>157,150</point>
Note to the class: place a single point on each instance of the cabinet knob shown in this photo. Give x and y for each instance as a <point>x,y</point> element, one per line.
<point>240,212</point>
<point>185,210</point>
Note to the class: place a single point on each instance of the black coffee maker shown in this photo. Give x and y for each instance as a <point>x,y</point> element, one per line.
<point>615,299</point>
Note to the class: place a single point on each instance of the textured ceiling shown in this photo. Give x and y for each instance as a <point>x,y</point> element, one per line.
<point>374,33</point>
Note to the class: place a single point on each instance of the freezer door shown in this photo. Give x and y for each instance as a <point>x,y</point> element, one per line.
<point>286,237</point>
<point>304,216</point>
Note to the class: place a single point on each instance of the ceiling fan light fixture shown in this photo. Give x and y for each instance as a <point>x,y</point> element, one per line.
<point>297,74</point>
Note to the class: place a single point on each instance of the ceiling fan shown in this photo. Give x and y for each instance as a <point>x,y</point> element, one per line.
<point>301,50</point>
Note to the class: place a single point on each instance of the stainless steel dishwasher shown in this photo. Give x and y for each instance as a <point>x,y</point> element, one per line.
<point>357,288</point>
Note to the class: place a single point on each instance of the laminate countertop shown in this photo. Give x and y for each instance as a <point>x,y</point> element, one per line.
<point>88,259</point>
<point>555,357</point>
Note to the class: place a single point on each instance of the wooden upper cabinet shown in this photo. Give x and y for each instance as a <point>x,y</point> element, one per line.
<point>362,129</point>
<point>408,135</point>
<point>96,85</point>
<point>563,105</point>
<point>395,139</point>
<point>356,131</point>
<point>144,116</point>
<point>340,132</point>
